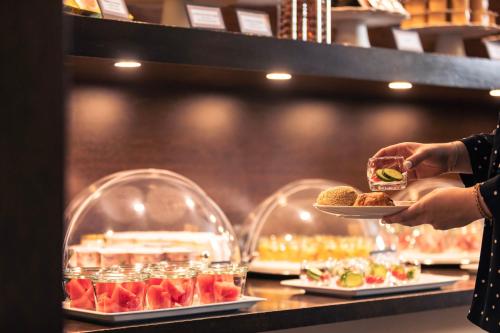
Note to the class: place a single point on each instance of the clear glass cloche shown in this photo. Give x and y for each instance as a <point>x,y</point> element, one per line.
<point>285,230</point>
<point>145,216</point>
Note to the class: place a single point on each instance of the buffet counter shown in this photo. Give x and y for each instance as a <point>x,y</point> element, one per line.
<point>288,308</point>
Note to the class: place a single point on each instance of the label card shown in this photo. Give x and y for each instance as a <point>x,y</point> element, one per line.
<point>205,17</point>
<point>254,23</point>
<point>114,9</point>
<point>407,40</point>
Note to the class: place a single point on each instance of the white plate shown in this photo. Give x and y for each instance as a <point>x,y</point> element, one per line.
<point>425,282</point>
<point>244,303</point>
<point>275,267</point>
<point>470,268</point>
<point>364,212</point>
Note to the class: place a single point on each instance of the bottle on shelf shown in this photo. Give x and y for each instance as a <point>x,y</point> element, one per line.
<point>306,20</point>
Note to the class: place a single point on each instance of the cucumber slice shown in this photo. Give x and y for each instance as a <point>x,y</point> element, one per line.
<point>314,273</point>
<point>381,176</point>
<point>352,280</point>
<point>392,174</point>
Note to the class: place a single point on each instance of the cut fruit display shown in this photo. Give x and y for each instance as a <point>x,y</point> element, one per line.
<point>81,294</point>
<point>213,288</point>
<point>167,293</point>
<point>120,296</point>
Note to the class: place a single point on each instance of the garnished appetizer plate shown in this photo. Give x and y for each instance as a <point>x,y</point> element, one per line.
<point>118,317</point>
<point>364,212</point>
<point>424,282</point>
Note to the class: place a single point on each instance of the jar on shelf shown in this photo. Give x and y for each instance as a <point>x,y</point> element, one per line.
<point>306,20</point>
<point>120,289</point>
<point>479,5</point>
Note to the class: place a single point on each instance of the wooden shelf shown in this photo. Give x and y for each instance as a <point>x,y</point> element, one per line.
<point>247,55</point>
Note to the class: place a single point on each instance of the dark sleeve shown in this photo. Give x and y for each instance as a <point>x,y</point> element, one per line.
<point>490,190</point>
<point>479,147</point>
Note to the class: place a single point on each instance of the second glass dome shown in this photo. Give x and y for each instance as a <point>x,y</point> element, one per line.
<point>285,229</point>
<point>145,216</point>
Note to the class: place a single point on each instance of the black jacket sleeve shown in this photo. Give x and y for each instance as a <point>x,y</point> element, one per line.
<point>479,147</point>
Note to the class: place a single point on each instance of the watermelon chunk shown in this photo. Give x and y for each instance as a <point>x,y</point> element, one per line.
<point>206,288</point>
<point>154,281</point>
<point>226,291</point>
<point>74,289</point>
<point>135,287</point>
<point>157,298</point>
<point>85,283</point>
<point>105,288</point>
<point>106,304</point>
<point>125,299</point>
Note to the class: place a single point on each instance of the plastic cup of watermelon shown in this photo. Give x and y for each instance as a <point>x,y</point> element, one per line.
<point>120,289</point>
<point>170,286</point>
<point>221,283</point>
<point>78,287</point>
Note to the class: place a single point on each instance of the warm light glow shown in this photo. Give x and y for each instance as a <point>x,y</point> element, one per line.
<point>138,207</point>
<point>305,216</point>
<point>495,92</point>
<point>189,202</point>
<point>278,76</point>
<point>212,218</point>
<point>400,85</point>
<point>127,64</point>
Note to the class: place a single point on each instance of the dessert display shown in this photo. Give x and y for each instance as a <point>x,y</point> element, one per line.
<point>305,20</point>
<point>374,199</point>
<point>285,229</point>
<point>386,173</point>
<point>361,272</point>
<point>337,196</point>
<point>430,246</point>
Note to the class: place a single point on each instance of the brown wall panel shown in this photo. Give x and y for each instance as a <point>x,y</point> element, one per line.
<point>242,147</point>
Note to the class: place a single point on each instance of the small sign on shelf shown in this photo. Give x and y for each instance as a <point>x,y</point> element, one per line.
<point>407,40</point>
<point>114,9</point>
<point>254,23</point>
<point>205,17</point>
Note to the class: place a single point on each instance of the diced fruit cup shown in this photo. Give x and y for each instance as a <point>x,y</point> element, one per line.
<point>377,273</point>
<point>221,283</point>
<point>386,173</point>
<point>79,289</point>
<point>320,273</point>
<point>120,289</point>
<point>406,272</point>
<point>168,287</point>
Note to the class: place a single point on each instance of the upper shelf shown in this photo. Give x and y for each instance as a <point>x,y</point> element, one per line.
<point>111,39</point>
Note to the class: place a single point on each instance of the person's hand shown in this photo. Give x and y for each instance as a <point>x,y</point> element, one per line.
<point>442,208</point>
<point>429,160</point>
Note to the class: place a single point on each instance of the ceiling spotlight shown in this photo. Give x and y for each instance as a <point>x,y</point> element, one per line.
<point>495,92</point>
<point>127,64</point>
<point>400,85</point>
<point>278,76</point>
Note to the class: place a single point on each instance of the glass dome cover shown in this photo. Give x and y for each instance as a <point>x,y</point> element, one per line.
<point>145,216</point>
<point>285,229</point>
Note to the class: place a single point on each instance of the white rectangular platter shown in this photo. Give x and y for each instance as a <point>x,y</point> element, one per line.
<point>244,303</point>
<point>425,282</point>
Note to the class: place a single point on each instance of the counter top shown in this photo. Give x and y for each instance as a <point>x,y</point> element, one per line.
<point>289,308</point>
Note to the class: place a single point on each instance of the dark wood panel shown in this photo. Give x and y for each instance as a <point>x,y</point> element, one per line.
<point>150,42</point>
<point>241,147</point>
<point>31,166</point>
<point>290,308</point>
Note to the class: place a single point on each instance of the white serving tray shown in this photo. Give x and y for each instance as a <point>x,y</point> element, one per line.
<point>425,282</point>
<point>364,212</point>
<point>119,317</point>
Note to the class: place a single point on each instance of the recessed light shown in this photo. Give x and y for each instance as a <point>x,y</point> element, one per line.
<point>278,76</point>
<point>127,64</point>
<point>400,85</point>
<point>495,92</point>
